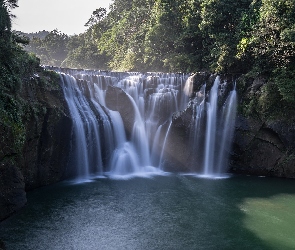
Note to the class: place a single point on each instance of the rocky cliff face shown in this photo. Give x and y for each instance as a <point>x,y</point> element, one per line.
<point>264,141</point>
<point>48,129</point>
<point>263,147</point>
<point>43,141</point>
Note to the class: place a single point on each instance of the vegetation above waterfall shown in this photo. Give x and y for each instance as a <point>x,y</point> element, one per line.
<point>188,36</point>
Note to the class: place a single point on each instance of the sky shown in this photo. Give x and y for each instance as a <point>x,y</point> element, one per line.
<point>68,16</point>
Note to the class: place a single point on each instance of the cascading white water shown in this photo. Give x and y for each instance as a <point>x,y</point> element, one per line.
<point>100,144</point>
<point>161,103</point>
<point>155,157</point>
<point>228,119</point>
<point>139,137</point>
<point>197,132</point>
<point>124,159</point>
<point>212,131</point>
<point>161,163</point>
<point>84,123</point>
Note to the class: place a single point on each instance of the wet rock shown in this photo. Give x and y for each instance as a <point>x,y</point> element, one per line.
<point>177,151</point>
<point>199,79</point>
<point>46,149</point>
<point>48,133</point>
<point>285,131</point>
<point>263,148</point>
<point>257,84</point>
<point>260,147</point>
<point>118,100</point>
<point>12,186</point>
<point>42,155</point>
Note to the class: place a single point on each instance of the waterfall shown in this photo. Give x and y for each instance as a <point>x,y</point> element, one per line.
<point>212,131</point>
<point>121,119</point>
<point>124,159</point>
<point>86,152</point>
<point>197,130</point>
<point>228,119</point>
<point>161,162</point>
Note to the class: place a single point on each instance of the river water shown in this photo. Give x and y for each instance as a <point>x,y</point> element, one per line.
<point>160,212</point>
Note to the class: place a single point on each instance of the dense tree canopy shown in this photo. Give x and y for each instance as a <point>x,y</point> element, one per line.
<point>164,35</point>
<point>52,49</point>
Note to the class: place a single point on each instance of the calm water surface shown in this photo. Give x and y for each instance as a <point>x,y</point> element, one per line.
<point>163,212</point>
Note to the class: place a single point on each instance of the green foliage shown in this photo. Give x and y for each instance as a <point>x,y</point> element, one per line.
<point>285,82</point>
<point>161,40</point>
<point>273,100</point>
<point>224,36</point>
<point>17,68</point>
<point>11,3</point>
<point>269,37</point>
<point>52,49</point>
<point>97,16</point>
<point>220,26</point>
<point>15,71</point>
<point>83,51</point>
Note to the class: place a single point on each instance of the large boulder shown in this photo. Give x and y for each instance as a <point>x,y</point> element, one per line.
<point>118,100</point>
<point>46,148</point>
<point>177,149</point>
<point>264,143</point>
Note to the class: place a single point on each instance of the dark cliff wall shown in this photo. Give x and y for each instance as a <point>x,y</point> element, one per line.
<point>264,148</point>
<point>35,154</point>
<point>48,130</point>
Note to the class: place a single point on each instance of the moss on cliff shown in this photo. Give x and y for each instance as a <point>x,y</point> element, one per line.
<point>266,107</point>
<point>21,74</point>
<point>269,97</point>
